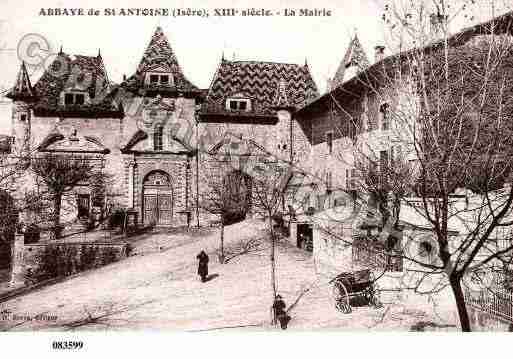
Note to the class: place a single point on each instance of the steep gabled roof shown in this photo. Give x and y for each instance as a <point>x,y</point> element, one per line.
<point>76,72</point>
<point>354,57</point>
<point>160,56</point>
<point>259,82</point>
<point>357,85</point>
<point>22,89</point>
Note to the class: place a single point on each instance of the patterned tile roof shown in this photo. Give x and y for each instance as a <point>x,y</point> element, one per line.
<point>22,89</point>
<point>355,56</point>
<point>159,55</point>
<point>259,82</point>
<point>81,73</point>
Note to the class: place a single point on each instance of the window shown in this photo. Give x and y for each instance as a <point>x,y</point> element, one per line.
<point>74,99</point>
<point>69,99</point>
<point>238,105</point>
<point>23,117</point>
<point>329,142</point>
<point>158,138</point>
<point>159,79</point>
<point>329,181</point>
<point>384,111</point>
<point>79,99</point>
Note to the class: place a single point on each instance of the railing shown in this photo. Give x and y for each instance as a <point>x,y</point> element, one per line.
<point>496,300</point>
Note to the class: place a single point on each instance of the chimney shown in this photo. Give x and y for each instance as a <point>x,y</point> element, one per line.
<point>438,25</point>
<point>379,53</point>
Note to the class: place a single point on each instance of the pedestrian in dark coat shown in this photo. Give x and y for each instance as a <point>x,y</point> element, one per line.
<point>202,265</point>
<point>279,312</point>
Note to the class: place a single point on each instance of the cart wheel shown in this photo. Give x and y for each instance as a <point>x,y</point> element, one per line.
<point>349,309</point>
<point>341,297</point>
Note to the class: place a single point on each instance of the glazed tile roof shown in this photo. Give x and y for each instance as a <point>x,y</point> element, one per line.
<point>355,56</point>
<point>22,89</point>
<point>78,73</point>
<point>259,82</point>
<point>159,55</point>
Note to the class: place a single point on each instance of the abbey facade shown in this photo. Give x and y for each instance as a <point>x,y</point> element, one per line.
<point>155,135</point>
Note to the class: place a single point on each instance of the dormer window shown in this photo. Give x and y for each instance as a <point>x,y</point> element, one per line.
<point>71,99</point>
<point>237,104</point>
<point>157,79</point>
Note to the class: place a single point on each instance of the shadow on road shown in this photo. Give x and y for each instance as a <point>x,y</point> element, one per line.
<point>211,276</point>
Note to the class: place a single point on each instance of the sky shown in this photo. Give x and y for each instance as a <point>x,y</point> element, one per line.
<point>198,42</point>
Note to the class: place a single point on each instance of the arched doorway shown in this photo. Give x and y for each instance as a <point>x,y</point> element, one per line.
<point>237,186</point>
<point>157,199</point>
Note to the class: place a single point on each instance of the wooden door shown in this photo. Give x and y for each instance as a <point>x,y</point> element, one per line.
<point>165,208</point>
<point>83,205</point>
<point>150,209</point>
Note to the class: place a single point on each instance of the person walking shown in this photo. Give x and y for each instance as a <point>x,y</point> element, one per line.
<point>279,312</point>
<point>202,265</point>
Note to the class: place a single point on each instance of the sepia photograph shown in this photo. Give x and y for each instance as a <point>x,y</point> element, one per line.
<point>245,167</point>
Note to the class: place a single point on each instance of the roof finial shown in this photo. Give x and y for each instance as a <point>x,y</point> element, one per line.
<point>60,51</point>
<point>99,53</point>
<point>306,61</point>
<point>222,56</point>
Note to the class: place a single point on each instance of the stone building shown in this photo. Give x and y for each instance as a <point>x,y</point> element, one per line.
<point>153,133</point>
<point>370,109</point>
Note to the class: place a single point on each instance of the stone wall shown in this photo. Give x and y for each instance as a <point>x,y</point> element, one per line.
<point>47,260</point>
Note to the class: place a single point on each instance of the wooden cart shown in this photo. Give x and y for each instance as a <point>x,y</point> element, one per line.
<point>350,285</point>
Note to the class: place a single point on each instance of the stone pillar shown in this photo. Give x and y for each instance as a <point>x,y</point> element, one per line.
<point>131,166</point>
<point>17,260</point>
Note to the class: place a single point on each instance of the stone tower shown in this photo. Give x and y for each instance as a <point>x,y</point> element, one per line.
<point>22,95</point>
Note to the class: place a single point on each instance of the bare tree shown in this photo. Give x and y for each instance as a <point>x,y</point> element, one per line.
<point>269,184</point>
<point>225,193</point>
<point>60,174</point>
<point>447,110</point>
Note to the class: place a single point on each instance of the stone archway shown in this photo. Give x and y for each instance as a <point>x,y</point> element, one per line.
<point>158,199</point>
<point>238,186</point>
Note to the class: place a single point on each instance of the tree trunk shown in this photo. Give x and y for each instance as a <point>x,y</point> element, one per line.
<point>221,256</point>
<point>460,304</point>
<point>273,263</point>
<point>57,216</point>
